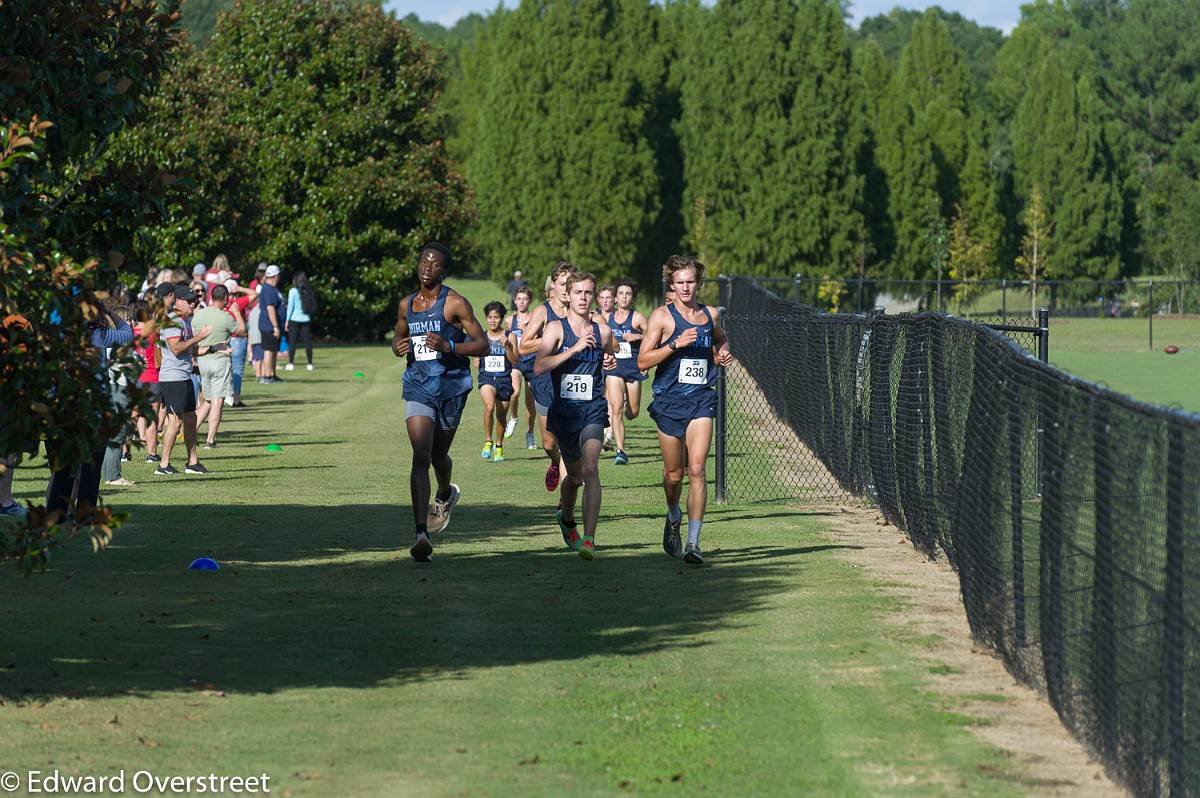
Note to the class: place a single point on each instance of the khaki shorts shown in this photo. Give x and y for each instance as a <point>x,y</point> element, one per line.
<point>216,376</point>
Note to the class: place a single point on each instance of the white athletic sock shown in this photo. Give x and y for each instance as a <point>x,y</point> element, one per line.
<point>674,513</point>
<point>694,532</point>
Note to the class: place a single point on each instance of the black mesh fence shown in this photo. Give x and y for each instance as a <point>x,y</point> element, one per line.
<point>1071,513</point>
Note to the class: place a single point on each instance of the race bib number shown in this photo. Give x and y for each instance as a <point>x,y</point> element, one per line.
<point>693,371</point>
<point>624,350</point>
<point>494,364</point>
<point>576,387</point>
<point>421,351</point>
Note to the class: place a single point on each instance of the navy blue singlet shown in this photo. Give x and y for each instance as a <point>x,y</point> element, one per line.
<point>689,369</point>
<point>543,387</point>
<point>496,356</point>
<point>433,376</point>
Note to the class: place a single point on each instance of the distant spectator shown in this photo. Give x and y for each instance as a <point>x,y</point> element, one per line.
<point>301,305</point>
<point>270,322</point>
<point>122,400</point>
<point>244,299</point>
<point>516,282</point>
<point>198,272</point>
<point>151,276</point>
<point>164,277</point>
<point>175,382</point>
<point>254,338</point>
<point>146,344</point>
<point>72,488</point>
<point>260,271</point>
<point>215,359</point>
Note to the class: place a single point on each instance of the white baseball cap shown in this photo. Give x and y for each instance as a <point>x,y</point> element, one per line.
<point>199,268</point>
<point>272,271</point>
<point>231,284</point>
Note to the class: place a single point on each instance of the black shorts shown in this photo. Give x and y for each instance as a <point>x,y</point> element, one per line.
<point>179,397</point>
<point>270,341</point>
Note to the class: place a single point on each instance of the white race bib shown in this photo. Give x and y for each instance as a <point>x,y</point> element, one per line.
<point>576,387</point>
<point>624,350</point>
<point>421,351</point>
<point>693,371</point>
<point>494,364</point>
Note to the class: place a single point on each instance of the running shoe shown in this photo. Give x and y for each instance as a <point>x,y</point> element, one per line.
<point>120,482</point>
<point>166,471</point>
<point>510,427</point>
<point>498,454</point>
<point>587,549</point>
<point>486,454</point>
<point>208,445</point>
<point>691,554</point>
<point>621,458</point>
<point>529,444</point>
<point>422,549</point>
<point>195,468</point>
<point>439,510</point>
<point>310,367</point>
<point>290,367</point>
<point>672,545</point>
<point>14,510</point>
<point>125,457</point>
<point>570,532</point>
<point>608,441</point>
<point>153,458</point>
<point>552,477</point>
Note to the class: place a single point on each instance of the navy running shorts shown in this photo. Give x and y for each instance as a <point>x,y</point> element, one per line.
<point>672,414</point>
<point>575,422</point>
<point>446,414</point>
<point>502,383</point>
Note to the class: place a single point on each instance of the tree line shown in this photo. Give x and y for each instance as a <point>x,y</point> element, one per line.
<point>771,138</point>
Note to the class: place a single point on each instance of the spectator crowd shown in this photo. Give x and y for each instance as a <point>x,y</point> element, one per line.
<point>192,334</point>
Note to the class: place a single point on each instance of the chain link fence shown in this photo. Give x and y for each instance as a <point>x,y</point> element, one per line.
<point>1071,513</point>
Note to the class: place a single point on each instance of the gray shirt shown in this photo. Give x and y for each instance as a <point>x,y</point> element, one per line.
<point>174,368</point>
<point>252,326</point>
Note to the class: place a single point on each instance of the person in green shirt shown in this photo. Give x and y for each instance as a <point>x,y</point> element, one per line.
<point>215,361</point>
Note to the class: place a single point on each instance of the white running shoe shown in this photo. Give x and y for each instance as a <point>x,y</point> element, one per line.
<point>290,367</point>
<point>310,368</point>
<point>510,427</point>
<point>439,511</point>
<point>229,401</point>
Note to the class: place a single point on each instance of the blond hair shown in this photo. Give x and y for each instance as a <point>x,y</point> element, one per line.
<point>678,263</point>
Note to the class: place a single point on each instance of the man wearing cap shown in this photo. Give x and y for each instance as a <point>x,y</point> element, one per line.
<point>215,358</point>
<point>270,322</point>
<point>198,272</point>
<point>175,381</point>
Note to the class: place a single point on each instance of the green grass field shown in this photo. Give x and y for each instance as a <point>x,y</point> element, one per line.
<point>321,655</point>
<point>1116,352</point>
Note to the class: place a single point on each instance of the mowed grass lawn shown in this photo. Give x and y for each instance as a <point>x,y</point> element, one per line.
<point>1116,352</point>
<point>322,656</point>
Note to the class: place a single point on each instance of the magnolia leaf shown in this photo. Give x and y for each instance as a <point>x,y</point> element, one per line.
<point>123,84</point>
<point>102,77</point>
<point>115,258</point>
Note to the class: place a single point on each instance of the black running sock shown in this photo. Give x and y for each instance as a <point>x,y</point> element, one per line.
<point>422,529</point>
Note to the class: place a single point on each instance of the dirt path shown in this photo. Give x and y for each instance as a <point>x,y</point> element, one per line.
<point>1047,760</point>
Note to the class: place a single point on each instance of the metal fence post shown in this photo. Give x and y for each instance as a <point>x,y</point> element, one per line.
<point>722,430</point>
<point>1044,356</point>
<point>796,289</point>
<point>1004,301</point>
<point>1150,317</point>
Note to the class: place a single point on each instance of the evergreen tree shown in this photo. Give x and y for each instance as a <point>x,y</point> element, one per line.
<point>773,131</point>
<point>563,166</point>
<point>1059,140</point>
<point>879,241</point>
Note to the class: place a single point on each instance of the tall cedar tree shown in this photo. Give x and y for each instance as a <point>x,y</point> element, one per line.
<point>1059,140</point>
<point>773,130</point>
<point>308,132</point>
<point>563,166</point>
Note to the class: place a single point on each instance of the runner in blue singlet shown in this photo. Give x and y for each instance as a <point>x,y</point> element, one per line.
<point>436,331</point>
<point>551,310</point>
<point>685,341</point>
<point>623,385</point>
<point>523,370</point>
<point>573,353</point>
<point>495,381</point>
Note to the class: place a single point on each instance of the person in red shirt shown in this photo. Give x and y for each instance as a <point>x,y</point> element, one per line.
<point>146,345</point>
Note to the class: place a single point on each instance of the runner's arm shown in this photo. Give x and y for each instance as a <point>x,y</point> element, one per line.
<point>510,347</point>
<point>606,343</point>
<point>400,337</point>
<point>534,328</point>
<point>639,328</point>
<point>720,341</point>
<point>658,329</point>
<point>551,339</point>
<point>460,312</point>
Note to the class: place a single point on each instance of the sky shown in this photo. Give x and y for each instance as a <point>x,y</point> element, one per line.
<point>1002,14</point>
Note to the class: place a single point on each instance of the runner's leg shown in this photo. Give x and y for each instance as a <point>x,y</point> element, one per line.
<point>488,394</point>
<point>699,437</point>
<point>420,434</point>
<point>633,393</point>
<point>614,390</point>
